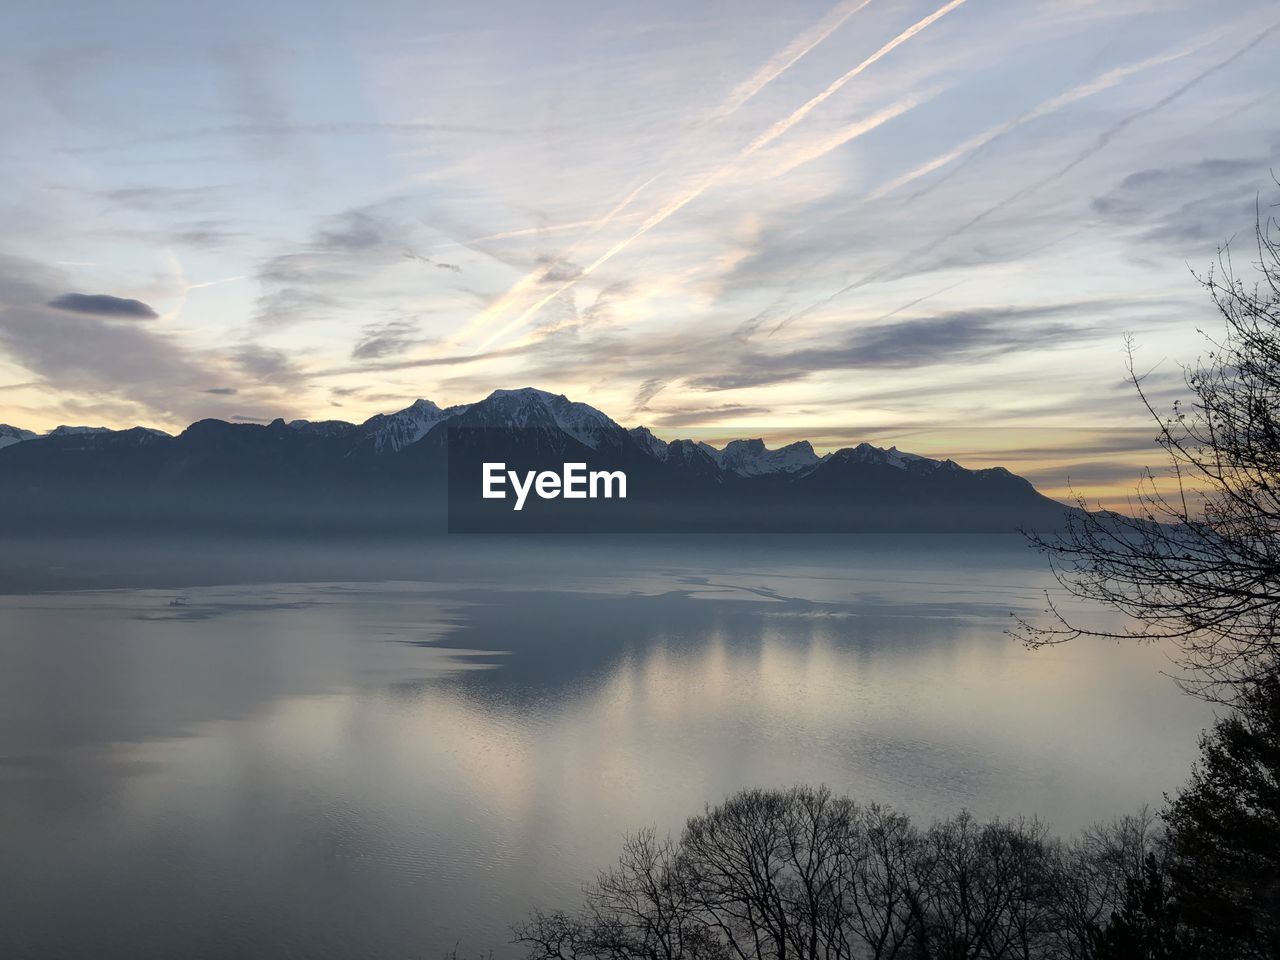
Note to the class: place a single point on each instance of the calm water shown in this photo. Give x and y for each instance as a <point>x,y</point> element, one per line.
<point>383,750</point>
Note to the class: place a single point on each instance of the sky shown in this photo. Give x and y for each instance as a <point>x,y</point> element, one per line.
<point>913,223</point>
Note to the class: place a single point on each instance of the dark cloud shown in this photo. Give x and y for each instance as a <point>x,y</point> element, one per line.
<point>294,304</point>
<point>277,131</point>
<point>160,199</point>
<point>648,390</point>
<point>1105,138</point>
<point>205,233</point>
<point>1087,473</point>
<point>555,269</point>
<point>945,338</point>
<point>389,338</point>
<point>1201,204</point>
<point>449,266</point>
<point>317,276</point>
<point>267,365</point>
<point>132,372</point>
<point>103,305</point>
<point>745,379</point>
<point>1119,126</point>
<point>697,415</point>
<point>357,230</point>
<point>953,336</point>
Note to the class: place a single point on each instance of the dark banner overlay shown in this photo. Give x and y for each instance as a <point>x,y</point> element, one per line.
<point>535,480</point>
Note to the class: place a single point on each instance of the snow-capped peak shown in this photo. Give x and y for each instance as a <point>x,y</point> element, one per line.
<point>391,432</point>
<point>11,435</point>
<point>893,457</point>
<point>66,431</point>
<point>525,406</point>
<point>751,458</point>
<point>647,442</point>
<point>87,438</point>
<point>321,428</point>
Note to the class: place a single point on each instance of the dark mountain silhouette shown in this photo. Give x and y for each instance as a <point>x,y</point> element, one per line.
<point>418,471</point>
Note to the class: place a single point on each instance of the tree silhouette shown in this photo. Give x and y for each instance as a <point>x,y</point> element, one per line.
<point>802,874</point>
<point>1200,566</point>
<point>1224,831</point>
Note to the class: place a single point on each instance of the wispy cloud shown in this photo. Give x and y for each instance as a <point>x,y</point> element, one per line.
<point>1109,134</point>
<point>766,138</point>
<point>969,147</point>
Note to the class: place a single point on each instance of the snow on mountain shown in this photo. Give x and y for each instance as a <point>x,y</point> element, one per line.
<point>65,431</point>
<point>322,428</point>
<point>751,458</point>
<point>507,409</point>
<point>11,435</point>
<point>647,442</point>
<point>92,438</point>
<point>392,432</point>
<point>687,455</point>
<point>530,407</point>
<point>892,457</point>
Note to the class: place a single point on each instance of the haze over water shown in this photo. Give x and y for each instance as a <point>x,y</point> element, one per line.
<point>373,749</point>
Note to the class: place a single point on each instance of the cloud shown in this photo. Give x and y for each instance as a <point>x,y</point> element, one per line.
<point>128,371</point>
<point>1109,134</point>
<point>267,365</point>
<point>355,230</point>
<point>697,415</point>
<point>557,269</point>
<point>1201,203</point>
<point>103,305</point>
<point>971,148</point>
<point>317,276</point>
<point>290,305</point>
<point>160,199</point>
<point>744,379</point>
<point>964,335</point>
<point>648,390</point>
<point>943,338</point>
<point>786,58</point>
<point>703,183</point>
<point>205,233</point>
<point>1082,475</point>
<point>276,131</point>
<point>388,338</point>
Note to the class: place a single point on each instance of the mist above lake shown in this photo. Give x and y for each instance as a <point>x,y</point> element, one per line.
<point>386,749</point>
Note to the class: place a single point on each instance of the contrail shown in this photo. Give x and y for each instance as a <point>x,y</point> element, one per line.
<point>214,283</point>
<point>782,126</point>
<point>853,131</point>
<point>1110,133</point>
<point>516,234</point>
<point>785,59</point>
<point>532,279</point>
<point>755,146</point>
<point>773,68</point>
<point>1103,140</point>
<point>1052,105</point>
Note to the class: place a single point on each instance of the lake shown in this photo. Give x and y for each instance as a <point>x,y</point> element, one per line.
<point>354,749</point>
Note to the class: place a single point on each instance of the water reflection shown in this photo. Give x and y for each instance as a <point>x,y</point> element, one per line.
<point>386,769</point>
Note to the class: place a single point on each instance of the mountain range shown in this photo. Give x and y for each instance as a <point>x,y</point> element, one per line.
<point>417,471</point>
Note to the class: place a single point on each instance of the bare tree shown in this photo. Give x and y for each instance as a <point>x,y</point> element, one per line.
<point>1199,566</point>
<point>802,874</point>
